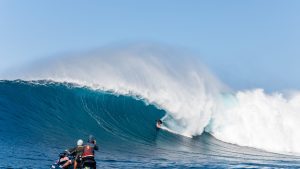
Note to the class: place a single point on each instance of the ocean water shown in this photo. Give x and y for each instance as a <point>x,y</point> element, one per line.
<point>117,94</point>
<point>39,119</point>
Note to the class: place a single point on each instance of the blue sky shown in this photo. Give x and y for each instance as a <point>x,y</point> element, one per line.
<point>246,44</point>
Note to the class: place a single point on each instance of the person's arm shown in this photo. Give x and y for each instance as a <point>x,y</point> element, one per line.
<point>72,151</point>
<point>96,147</point>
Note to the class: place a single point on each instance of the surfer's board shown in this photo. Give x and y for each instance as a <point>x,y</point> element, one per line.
<point>174,132</point>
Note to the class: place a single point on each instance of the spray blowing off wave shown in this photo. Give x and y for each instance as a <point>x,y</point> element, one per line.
<point>193,98</point>
<point>171,81</point>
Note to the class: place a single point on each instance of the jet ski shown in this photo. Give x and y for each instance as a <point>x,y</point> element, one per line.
<point>63,158</point>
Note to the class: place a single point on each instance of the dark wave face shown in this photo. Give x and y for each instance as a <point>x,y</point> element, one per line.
<point>39,119</point>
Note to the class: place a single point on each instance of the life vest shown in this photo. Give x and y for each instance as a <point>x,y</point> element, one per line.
<point>88,151</point>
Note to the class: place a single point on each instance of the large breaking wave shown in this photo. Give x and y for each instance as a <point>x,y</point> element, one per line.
<point>194,99</point>
<point>39,119</point>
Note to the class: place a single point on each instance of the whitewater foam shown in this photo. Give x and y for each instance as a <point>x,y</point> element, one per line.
<point>256,119</point>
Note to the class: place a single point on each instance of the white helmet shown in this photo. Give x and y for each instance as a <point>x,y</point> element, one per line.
<point>79,142</point>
